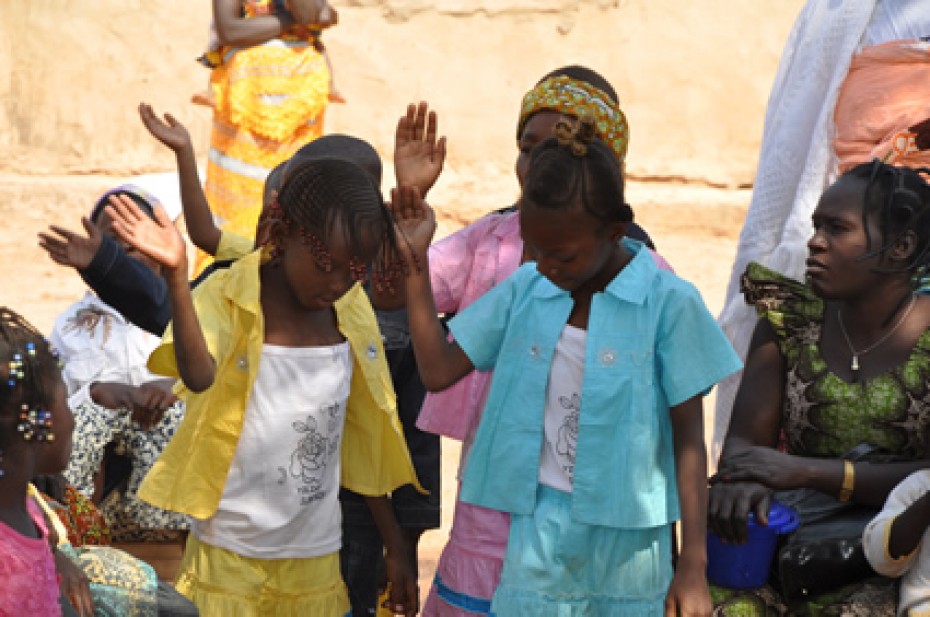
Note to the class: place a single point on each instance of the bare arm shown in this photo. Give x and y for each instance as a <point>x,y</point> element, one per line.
<point>399,557</point>
<point>161,241</point>
<point>688,593</point>
<point>441,362</point>
<point>202,230</point>
<point>235,30</point>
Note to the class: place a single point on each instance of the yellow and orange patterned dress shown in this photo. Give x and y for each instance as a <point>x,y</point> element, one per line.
<point>270,101</point>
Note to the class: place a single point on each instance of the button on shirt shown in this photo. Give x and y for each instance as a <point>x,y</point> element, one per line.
<point>651,345</point>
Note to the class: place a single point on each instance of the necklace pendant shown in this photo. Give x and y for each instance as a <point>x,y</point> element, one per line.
<point>854,366</point>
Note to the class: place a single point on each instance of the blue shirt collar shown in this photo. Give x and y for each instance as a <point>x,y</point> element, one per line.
<point>631,284</point>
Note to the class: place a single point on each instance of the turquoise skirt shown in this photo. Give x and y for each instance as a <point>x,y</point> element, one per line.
<point>558,567</point>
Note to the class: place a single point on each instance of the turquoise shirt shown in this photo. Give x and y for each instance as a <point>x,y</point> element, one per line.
<point>651,345</point>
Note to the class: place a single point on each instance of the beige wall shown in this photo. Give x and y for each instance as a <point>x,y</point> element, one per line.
<point>693,77</point>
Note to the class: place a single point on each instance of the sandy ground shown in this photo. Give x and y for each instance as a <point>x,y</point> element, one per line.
<point>694,227</point>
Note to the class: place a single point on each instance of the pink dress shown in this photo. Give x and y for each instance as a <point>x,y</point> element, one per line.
<point>28,582</point>
<point>463,267</point>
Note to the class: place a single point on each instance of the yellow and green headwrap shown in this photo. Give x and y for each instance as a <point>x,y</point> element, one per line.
<point>577,98</point>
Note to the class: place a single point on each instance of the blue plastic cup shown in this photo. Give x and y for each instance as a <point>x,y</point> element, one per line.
<point>747,566</point>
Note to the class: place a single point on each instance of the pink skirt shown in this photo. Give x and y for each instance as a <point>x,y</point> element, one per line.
<point>470,565</point>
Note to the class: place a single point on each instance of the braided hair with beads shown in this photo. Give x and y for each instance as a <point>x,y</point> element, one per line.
<point>323,195</point>
<point>27,367</point>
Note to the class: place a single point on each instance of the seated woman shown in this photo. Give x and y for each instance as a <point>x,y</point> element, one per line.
<point>124,414</point>
<point>834,407</point>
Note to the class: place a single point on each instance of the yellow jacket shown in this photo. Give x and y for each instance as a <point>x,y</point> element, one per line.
<point>191,472</point>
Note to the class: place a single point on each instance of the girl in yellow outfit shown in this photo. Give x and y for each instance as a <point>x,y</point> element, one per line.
<point>270,91</point>
<point>287,391</point>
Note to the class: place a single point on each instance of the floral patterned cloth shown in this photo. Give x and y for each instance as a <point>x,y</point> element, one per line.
<point>823,415</point>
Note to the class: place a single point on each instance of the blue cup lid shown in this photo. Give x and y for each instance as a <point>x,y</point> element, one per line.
<point>782,519</point>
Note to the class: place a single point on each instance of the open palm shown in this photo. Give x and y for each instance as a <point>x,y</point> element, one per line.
<point>414,220</point>
<point>158,239</point>
<point>418,156</point>
<point>168,131</point>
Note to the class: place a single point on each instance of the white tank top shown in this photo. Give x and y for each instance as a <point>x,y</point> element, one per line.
<point>281,497</point>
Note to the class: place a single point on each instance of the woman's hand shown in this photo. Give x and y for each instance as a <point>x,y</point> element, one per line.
<point>159,239</point>
<point>418,156</point>
<point>774,469</point>
<point>414,220</point>
<point>688,595</point>
<point>74,585</point>
<point>729,505</point>
<point>168,131</point>
<point>67,248</point>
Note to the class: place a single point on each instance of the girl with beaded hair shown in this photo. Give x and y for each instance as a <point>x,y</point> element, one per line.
<point>35,438</point>
<point>288,396</point>
<point>591,437</point>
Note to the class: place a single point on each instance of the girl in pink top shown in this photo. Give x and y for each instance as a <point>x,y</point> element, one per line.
<point>464,266</point>
<point>35,438</point>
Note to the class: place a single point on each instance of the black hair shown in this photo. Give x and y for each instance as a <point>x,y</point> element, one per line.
<point>576,167</point>
<point>28,367</point>
<point>586,75</point>
<point>102,203</point>
<point>320,193</point>
<point>899,197</point>
<point>344,147</point>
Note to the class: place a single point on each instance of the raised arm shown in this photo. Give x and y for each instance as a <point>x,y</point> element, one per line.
<point>161,241</point>
<point>235,30</point>
<point>418,155</point>
<point>201,228</point>
<point>440,361</point>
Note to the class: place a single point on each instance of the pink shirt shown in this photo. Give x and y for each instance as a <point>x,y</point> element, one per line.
<point>463,267</point>
<point>28,582</point>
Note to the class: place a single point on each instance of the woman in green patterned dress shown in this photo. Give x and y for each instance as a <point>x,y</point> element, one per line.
<point>838,371</point>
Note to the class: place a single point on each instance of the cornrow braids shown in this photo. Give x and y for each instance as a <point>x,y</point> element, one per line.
<point>27,367</point>
<point>322,194</point>
<point>576,166</point>
<point>900,198</point>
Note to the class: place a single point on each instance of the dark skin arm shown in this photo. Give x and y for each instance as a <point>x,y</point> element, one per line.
<point>441,362</point>
<point>237,31</point>
<point>750,468</point>
<point>688,593</point>
<point>398,559</point>
<point>201,228</point>
<point>908,528</point>
<point>161,241</point>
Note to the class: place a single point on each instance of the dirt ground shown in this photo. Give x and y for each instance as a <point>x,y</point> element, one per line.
<point>694,227</point>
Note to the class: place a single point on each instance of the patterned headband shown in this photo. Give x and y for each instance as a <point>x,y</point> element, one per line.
<point>577,98</point>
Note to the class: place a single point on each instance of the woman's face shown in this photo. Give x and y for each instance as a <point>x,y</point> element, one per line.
<point>539,127</point>
<point>838,265</point>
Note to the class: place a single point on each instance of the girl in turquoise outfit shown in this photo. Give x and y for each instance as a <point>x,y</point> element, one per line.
<point>593,431</point>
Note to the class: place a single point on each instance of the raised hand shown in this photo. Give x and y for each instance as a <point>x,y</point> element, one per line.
<point>67,248</point>
<point>414,220</point>
<point>418,156</point>
<point>168,131</point>
<point>159,239</point>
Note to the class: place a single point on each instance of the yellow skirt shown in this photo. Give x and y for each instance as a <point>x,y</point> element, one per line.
<point>270,101</point>
<point>223,583</point>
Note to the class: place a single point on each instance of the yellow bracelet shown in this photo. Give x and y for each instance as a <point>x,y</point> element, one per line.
<point>849,481</point>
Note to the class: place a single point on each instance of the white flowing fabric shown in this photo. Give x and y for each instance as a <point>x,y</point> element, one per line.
<point>795,164</point>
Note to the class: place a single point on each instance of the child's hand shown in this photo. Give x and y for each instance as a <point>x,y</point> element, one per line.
<point>159,239</point>
<point>168,131</point>
<point>404,597</point>
<point>418,157</point>
<point>74,585</point>
<point>688,595</point>
<point>67,248</point>
<point>414,220</point>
